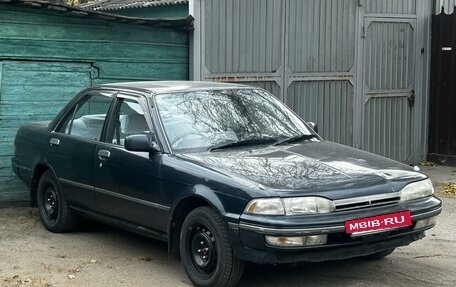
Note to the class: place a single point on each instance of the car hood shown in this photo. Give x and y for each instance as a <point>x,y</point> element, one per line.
<point>313,167</point>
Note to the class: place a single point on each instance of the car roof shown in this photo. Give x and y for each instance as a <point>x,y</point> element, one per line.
<point>175,86</point>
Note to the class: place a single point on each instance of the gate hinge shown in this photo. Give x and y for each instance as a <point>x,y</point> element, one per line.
<point>360,3</point>
<point>363,32</point>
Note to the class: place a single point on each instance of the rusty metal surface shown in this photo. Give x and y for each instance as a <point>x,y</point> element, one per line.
<point>184,23</point>
<point>105,5</point>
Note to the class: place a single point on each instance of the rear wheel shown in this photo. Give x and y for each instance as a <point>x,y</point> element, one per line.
<point>52,206</point>
<point>206,250</point>
<point>379,255</point>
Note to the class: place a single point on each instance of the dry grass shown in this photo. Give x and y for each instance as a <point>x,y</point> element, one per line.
<point>428,163</point>
<point>16,281</point>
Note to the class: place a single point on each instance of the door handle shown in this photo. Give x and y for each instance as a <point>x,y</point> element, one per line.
<point>104,154</point>
<point>54,142</point>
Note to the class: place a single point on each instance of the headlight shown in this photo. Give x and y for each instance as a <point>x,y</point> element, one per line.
<point>265,206</point>
<point>306,205</point>
<point>417,189</point>
<point>290,206</point>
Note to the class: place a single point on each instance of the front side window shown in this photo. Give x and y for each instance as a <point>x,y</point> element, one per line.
<point>128,119</point>
<point>88,117</point>
<point>200,120</point>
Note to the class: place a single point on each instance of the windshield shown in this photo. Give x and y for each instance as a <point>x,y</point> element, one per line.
<point>201,120</point>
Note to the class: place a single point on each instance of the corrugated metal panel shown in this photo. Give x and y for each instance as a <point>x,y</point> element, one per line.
<point>328,103</point>
<point>272,87</point>
<point>391,6</point>
<point>319,44</point>
<point>321,35</point>
<point>320,52</point>
<point>243,36</point>
<point>387,123</point>
<point>103,5</point>
<point>389,56</point>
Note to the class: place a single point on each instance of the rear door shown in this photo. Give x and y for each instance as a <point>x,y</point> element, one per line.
<point>32,91</point>
<point>72,147</point>
<point>127,183</point>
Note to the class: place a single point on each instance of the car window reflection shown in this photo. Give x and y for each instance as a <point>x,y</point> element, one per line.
<point>199,120</point>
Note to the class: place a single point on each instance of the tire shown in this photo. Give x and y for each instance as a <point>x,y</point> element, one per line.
<point>52,207</point>
<point>379,255</point>
<point>206,251</point>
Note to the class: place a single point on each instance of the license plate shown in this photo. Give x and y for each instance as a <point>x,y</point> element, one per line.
<point>379,223</point>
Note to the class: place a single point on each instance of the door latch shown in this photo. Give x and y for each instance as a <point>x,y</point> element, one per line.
<point>411,99</point>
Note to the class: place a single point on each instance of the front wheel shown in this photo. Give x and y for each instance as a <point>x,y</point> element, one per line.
<point>206,250</point>
<point>52,206</point>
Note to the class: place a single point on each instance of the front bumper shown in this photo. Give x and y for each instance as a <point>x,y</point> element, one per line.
<point>249,234</point>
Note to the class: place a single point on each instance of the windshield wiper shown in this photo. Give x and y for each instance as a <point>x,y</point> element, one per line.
<point>296,138</point>
<point>250,141</point>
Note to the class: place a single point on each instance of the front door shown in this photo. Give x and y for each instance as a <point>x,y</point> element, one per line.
<point>389,86</point>
<point>127,183</point>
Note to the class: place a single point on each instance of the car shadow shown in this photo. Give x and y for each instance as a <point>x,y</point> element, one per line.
<point>331,273</point>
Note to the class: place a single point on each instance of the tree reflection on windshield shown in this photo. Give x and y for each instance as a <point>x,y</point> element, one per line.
<point>198,120</point>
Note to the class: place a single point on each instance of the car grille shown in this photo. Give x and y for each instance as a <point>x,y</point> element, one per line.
<point>366,201</point>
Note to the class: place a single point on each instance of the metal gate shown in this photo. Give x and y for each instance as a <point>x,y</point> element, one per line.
<point>442,130</point>
<point>356,67</point>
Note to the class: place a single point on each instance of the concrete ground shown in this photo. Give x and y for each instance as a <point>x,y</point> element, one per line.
<point>98,255</point>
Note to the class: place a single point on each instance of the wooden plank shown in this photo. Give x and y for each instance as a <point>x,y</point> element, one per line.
<point>45,78</point>
<point>6,148</point>
<point>145,71</point>
<point>24,93</point>
<point>30,108</point>
<point>97,34</point>
<point>13,190</point>
<point>74,50</point>
<point>75,25</point>
<point>47,66</point>
<point>1,74</point>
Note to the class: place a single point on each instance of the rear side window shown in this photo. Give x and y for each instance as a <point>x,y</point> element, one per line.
<point>88,117</point>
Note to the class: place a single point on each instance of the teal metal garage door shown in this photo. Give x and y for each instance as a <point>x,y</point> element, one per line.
<point>32,91</point>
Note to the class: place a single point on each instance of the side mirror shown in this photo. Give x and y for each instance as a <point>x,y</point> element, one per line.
<point>313,126</point>
<point>141,142</point>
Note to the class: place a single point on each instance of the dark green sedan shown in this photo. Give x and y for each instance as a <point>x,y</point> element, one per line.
<point>224,173</point>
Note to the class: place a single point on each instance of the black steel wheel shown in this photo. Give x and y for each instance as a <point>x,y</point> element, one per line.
<point>206,251</point>
<point>52,206</point>
<point>379,255</point>
<point>50,202</point>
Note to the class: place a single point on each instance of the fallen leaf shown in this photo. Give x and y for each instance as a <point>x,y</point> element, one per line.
<point>428,163</point>
<point>449,188</point>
